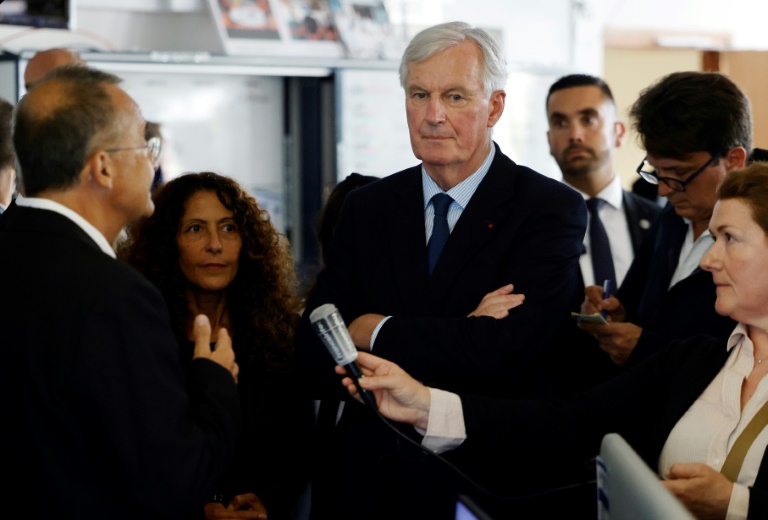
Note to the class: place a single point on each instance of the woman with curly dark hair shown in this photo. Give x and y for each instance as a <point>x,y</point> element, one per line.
<point>211,249</point>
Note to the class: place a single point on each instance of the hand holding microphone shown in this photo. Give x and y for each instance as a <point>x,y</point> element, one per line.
<point>329,325</point>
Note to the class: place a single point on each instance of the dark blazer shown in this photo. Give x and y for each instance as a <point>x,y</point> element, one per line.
<point>643,405</point>
<point>99,419</point>
<point>641,214</point>
<point>519,227</point>
<point>667,314</point>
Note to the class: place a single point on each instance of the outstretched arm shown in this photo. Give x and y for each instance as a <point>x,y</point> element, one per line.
<point>399,396</point>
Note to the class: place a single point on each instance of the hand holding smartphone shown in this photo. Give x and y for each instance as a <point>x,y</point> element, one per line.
<point>596,318</point>
<point>592,318</point>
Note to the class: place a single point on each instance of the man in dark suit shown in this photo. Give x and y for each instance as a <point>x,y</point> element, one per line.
<point>99,422</point>
<point>584,132</point>
<point>696,127</point>
<point>505,224</point>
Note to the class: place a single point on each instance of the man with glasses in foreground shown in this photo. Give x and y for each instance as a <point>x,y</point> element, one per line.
<point>100,419</point>
<point>696,128</point>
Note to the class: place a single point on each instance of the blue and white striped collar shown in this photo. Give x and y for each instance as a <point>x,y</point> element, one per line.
<point>463,191</point>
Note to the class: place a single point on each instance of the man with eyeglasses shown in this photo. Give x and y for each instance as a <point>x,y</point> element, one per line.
<point>100,419</point>
<point>696,127</point>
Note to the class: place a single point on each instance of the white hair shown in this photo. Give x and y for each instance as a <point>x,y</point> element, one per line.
<point>440,37</point>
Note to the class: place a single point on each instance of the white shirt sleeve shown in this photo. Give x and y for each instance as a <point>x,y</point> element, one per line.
<point>445,427</point>
<point>376,331</point>
<point>739,504</point>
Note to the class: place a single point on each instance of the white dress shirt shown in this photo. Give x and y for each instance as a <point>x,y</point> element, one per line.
<point>691,254</point>
<point>614,220</point>
<point>710,427</point>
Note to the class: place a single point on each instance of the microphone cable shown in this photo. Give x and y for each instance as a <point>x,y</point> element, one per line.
<point>472,482</point>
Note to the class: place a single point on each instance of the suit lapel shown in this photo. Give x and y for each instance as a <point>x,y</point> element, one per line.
<point>407,240</point>
<point>630,211</point>
<point>666,249</point>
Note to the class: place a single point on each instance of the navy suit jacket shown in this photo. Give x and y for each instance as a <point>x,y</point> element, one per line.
<point>100,419</point>
<point>641,213</point>
<point>667,314</point>
<point>643,405</point>
<point>519,227</point>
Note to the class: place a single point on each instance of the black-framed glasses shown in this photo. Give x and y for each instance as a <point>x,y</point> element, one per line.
<point>673,184</point>
<point>153,148</point>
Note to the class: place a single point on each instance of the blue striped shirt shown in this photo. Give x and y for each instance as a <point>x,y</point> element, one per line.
<point>461,193</point>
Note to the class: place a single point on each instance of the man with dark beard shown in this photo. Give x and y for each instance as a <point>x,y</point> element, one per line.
<point>583,133</point>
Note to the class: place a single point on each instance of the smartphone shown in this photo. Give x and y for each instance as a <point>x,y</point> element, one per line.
<point>592,318</point>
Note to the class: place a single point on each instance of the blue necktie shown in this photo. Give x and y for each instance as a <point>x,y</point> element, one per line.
<point>440,202</point>
<point>600,247</point>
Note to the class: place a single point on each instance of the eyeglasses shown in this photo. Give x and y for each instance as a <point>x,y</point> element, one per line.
<point>153,148</point>
<point>671,182</point>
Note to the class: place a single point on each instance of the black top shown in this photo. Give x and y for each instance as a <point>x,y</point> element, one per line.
<point>271,456</point>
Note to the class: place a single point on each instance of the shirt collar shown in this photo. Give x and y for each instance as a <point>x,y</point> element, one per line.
<point>463,191</point>
<point>50,205</point>
<point>689,233</point>
<point>738,335</point>
<point>613,193</point>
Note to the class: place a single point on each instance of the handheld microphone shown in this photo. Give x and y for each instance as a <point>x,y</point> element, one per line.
<point>329,325</point>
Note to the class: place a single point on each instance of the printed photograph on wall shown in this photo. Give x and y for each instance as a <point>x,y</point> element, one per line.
<point>365,30</point>
<point>306,20</point>
<point>249,19</point>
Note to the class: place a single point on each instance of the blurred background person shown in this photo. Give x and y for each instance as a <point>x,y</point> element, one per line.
<point>332,209</point>
<point>153,130</point>
<point>7,157</point>
<point>584,134</point>
<point>211,249</point>
<point>45,61</point>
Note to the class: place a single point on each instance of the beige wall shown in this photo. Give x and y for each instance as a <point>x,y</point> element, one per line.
<point>750,71</point>
<point>628,71</point>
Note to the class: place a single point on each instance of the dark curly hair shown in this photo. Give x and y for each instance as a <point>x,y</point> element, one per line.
<point>262,303</point>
